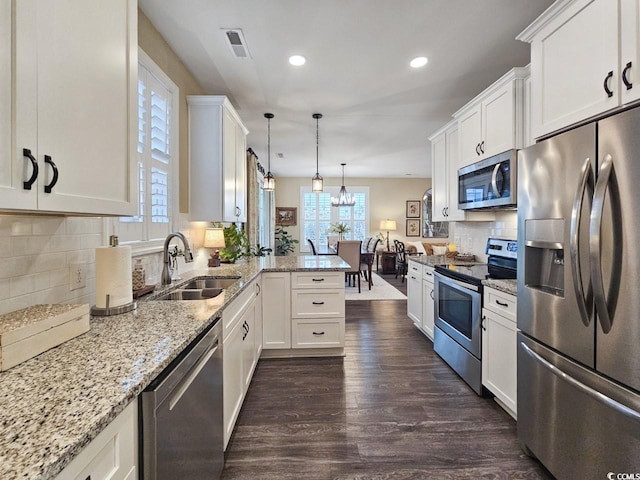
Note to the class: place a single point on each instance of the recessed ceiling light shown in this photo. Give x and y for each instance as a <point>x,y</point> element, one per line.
<point>419,62</point>
<point>297,60</point>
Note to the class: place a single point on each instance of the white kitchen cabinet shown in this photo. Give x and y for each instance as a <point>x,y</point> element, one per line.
<point>493,122</point>
<point>444,156</point>
<point>428,307</point>
<point>240,355</point>
<point>112,455</point>
<point>217,160</point>
<point>276,310</point>
<point>414,292</point>
<point>499,348</point>
<point>70,70</point>
<point>577,75</point>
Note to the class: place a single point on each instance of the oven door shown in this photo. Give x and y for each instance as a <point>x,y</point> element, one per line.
<point>457,312</point>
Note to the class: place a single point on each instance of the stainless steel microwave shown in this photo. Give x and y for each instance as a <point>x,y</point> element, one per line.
<point>489,183</point>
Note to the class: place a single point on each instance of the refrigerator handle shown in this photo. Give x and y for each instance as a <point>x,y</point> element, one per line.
<point>494,181</point>
<point>586,179</point>
<point>587,390</point>
<point>594,243</point>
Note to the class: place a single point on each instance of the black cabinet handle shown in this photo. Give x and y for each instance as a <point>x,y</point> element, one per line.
<point>317,303</point>
<point>431,294</point>
<point>54,180</point>
<point>482,324</point>
<point>502,304</point>
<point>478,149</point>
<point>606,84</point>
<point>443,212</point>
<point>34,163</point>
<point>447,211</point>
<point>482,146</point>
<point>625,80</point>
<point>318,333</point>
<point>317,279</point>
<point>258,289</point>
<point>429,273</point>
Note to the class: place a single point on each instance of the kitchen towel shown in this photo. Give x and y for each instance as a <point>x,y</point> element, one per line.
<point>113,276</point>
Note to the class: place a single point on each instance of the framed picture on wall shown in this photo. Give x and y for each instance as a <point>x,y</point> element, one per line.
<point>413,227</point>
<point>286,216</point>
<point>413,208</point>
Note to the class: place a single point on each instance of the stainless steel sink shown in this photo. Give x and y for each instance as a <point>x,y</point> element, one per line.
<point>204,283</point>
<point>191,294</point>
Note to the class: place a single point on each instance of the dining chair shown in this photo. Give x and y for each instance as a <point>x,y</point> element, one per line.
<point>349,251</point>
<point>364,262</point>
<point>313,247</point>
<point>401,259</point>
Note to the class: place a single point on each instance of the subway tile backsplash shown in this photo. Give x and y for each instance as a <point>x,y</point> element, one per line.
<point>471,237</point>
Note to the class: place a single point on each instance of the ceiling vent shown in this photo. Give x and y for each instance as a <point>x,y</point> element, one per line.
<point>237,43</point>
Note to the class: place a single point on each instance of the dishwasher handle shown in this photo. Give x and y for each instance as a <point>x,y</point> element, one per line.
<point>191,376</point>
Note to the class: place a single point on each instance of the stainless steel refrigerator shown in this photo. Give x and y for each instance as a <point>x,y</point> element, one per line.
<point>579,299</point>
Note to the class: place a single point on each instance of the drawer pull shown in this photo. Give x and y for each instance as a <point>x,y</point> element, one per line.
<point>318,334</point>
<point>317,303</point>
<point>317,279</point>
<point>429,273</point>
<point>502,304</point>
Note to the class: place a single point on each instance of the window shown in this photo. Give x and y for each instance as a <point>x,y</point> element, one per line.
<point>157,159</point>
<point>317,215</point>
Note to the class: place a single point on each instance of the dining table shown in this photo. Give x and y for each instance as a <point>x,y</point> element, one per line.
<point>366,257</point>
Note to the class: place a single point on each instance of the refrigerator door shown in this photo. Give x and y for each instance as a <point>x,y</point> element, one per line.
<point>555,186</point>
<point>615,248</point>
<point>577,423</point>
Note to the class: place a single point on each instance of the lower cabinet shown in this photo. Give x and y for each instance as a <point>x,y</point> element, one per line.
<point>112,455</point>
<point>499,348</point>
<point>428,307</point>
<point>276,310</point>
<point>414,292</point>
<point>240,353</point>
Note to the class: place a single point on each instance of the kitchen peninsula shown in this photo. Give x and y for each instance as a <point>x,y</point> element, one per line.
<point>55,404</point>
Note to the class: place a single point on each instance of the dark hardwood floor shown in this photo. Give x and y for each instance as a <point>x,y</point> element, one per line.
<point>389,409</point>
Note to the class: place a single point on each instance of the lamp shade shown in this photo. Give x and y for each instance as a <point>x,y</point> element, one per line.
<point>388,225</point>
<point>214,238</point>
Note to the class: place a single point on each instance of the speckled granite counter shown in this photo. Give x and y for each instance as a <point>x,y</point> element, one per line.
<point>53,405</point>
<point>507,286</point>
<point>433,260</point>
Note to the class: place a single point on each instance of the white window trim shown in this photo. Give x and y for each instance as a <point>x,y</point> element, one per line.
<point>333,190</point>
<point>155,246</point>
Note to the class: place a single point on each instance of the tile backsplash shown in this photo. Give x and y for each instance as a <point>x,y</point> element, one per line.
<point>36,252</point>
<point>471,237</point>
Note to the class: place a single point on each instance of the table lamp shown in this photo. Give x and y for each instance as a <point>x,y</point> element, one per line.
<point>388,225</point>
<point>214,238</point>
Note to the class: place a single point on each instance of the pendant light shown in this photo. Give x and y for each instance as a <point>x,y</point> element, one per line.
<point>316,181</point>
<point>269,182</point>
<point>344,199</point>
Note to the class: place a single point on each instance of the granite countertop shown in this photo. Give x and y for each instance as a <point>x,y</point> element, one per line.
<point>53,405</point>
<point>506,286</point>
<point>433,260</point>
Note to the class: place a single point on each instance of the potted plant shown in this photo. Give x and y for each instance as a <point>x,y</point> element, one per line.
<point>340,229</point>
<point>236,244</point>
<point>284,242</point>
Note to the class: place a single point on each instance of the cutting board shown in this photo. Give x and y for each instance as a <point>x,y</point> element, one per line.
<point>29,332</point>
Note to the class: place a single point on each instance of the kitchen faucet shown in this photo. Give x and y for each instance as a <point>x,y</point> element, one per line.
<point>188,256</point>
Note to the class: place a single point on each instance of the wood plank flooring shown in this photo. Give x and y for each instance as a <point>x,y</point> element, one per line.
<point>391,409</point>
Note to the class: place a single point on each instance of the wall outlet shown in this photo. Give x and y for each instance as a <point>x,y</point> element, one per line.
<point>77,276</point>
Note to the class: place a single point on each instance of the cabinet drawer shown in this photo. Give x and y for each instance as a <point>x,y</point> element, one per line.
<point>427,274</point>
<point>415,267</point>
<point>317,280</point>
<point>501,303</point>
<point>317,304</point>
<point>232,314</point>
<point>317,333</point>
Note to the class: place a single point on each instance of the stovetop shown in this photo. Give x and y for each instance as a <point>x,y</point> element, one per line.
<point>476,273</point>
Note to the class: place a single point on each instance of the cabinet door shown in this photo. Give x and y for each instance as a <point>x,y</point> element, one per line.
<point>499,358</point>
<point>248,345</point>
<point>630,49</point>
<point>454,214</point>
<point>87,78</point>
<point>276,310</point>
<point>570,58</point>
<point>470,136</point>
<point>427,308</point>
<point>241,175</point>
<point>233,378</point>
<point>498,122</point>
<point>258,320</point>
<point>229,166</point>
<point>414,298</point>
<point>440,184</point>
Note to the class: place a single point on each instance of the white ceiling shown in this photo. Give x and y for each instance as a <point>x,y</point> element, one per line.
<point>378,111</point>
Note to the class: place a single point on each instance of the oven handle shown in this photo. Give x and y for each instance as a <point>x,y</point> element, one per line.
<point>450,281</point>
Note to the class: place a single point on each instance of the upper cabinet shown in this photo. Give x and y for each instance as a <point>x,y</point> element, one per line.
<point>444,157</point>
<point>493,122</point>
<point>217,160</point>
<point>583,57</point>
<point>68,98</point>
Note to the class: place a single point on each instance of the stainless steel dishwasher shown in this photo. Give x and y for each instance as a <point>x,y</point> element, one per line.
<point>182,424</point>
